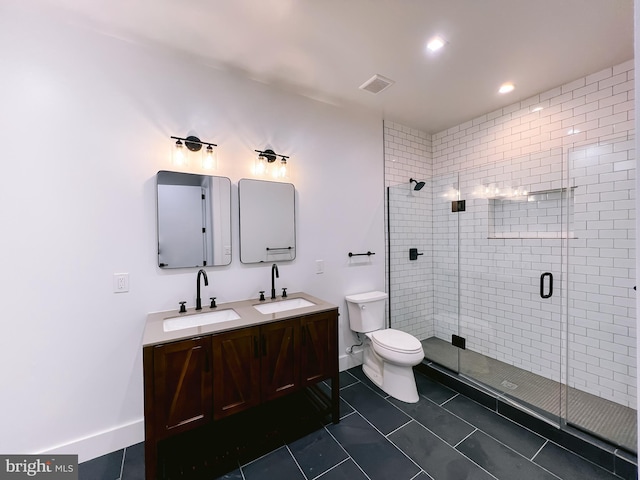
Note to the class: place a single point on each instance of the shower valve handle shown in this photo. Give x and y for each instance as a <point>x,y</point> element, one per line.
<point>413,253</point>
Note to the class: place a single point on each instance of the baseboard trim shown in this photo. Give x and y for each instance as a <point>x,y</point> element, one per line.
<point>347,361</point>
<point>101,443</point>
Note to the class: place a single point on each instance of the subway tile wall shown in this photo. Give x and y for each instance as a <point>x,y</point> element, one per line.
<point>571,150</point>
<point>588,109</point>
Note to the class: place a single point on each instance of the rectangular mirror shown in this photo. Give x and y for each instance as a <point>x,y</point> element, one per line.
<point>267,221</point>
<point>194,220</point>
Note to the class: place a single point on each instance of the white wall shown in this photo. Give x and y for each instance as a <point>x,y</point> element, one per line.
<point>85,125</point>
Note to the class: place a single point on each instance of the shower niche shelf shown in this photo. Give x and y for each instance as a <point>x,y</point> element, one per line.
<point>535,215</point>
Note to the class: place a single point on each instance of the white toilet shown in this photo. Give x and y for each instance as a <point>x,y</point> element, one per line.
<point>389,354</point>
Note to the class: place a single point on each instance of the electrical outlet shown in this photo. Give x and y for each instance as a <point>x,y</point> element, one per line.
<point>319,266</point>
<point>120,282</point>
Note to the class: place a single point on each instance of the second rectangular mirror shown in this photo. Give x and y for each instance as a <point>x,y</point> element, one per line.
<point>267,221</point>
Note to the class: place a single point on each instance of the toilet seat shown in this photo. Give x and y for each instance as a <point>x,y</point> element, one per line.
<point>396,341</point>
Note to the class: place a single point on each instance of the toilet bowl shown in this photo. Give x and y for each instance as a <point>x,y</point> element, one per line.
<point>389,355</point>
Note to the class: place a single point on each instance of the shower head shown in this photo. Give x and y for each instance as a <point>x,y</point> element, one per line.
<point>418,186</point>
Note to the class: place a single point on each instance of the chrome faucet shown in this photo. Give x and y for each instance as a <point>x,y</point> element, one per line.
<point>206,282</point>
<point>274,270</point>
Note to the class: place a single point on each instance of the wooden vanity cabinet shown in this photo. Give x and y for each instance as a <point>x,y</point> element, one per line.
<point>319,347</point>
<point>183,389</point>
<point>236,362</point>
<point>280,364</point>
<point>257,364</point>
<point>188,383</point>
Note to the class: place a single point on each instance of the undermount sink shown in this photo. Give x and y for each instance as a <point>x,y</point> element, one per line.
<point>283,305</point>
<point>200,319</point>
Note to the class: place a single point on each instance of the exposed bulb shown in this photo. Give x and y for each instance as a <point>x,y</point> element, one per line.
<point>261,165</point>
<point>209,160</point>
<point>179,156</point>
<point>282,171</point>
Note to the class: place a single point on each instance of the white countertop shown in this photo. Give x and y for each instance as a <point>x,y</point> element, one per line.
<point>154,330</point>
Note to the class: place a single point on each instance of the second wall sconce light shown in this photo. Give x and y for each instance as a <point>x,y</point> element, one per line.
<point>266,164</point>
<point>180,156</point>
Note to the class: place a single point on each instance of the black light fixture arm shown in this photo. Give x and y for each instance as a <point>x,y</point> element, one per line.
<point>270,155</point>
<point>194,143</point>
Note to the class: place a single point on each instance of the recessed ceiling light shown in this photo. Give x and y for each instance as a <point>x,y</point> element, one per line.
<point>506,88</point>
<point>436,43</point>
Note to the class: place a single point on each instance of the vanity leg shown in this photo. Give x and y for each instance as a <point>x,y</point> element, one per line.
<point>335,398</point>
<point>150,442</point>
<point>150,460</point>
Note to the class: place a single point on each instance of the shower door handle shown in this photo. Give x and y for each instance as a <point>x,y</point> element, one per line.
<point>542,277</point>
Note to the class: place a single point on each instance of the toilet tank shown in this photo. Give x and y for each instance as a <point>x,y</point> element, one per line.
<point>366,311</point>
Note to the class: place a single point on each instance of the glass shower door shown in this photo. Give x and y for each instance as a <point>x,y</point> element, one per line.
<point>446,273</point>
<point>512,233</point>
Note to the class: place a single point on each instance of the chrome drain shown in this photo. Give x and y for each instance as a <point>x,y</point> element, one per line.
<point>509,385</point>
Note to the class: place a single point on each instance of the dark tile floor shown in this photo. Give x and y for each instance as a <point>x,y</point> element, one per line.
<point>445,436</point>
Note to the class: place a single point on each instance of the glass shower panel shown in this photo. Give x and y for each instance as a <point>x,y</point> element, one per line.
<point>423,286</point>
<point>511,279</point>
<point>445,273</point>
<point>601,353</point>
<point>410,281</point>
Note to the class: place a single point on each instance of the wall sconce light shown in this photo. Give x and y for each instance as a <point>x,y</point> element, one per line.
<point>194,144</point>
<point>267,165</point>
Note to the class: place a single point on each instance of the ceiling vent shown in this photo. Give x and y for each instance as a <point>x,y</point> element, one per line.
<point>376,84</point>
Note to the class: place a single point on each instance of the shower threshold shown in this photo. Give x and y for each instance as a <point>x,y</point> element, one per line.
<point>612,422</point>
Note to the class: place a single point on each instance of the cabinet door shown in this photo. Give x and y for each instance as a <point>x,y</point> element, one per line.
<point>182,385</point>
<point>319,354</point>
<point>236,362</point>
<point>280,365</point>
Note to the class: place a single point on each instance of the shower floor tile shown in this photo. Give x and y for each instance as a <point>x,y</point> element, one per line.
<point>603,418</point>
